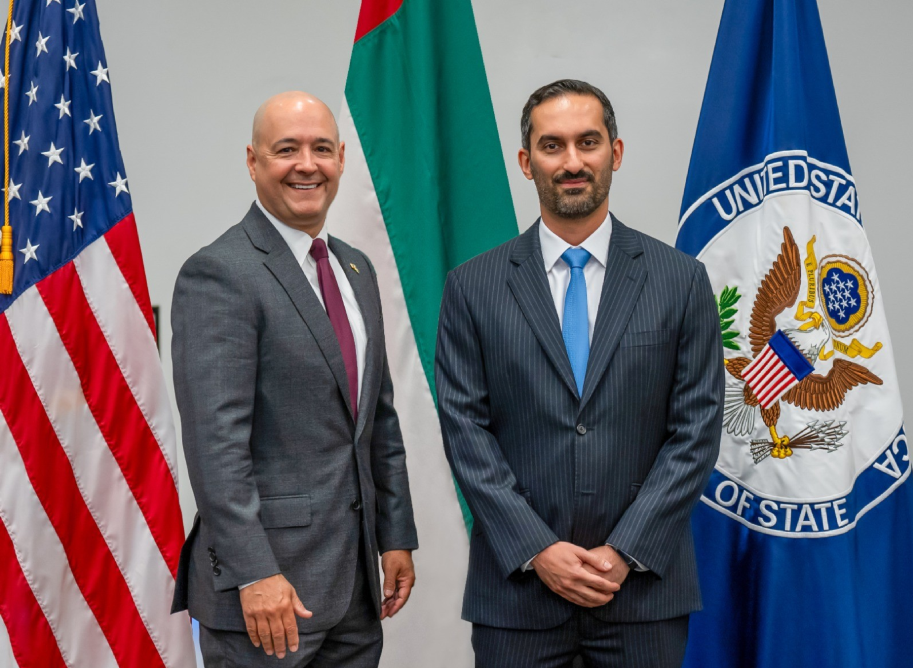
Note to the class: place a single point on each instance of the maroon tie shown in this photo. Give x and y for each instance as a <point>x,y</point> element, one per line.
<point>336,309</point>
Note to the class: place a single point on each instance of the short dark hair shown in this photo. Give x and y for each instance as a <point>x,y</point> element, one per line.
<point>561,88</point>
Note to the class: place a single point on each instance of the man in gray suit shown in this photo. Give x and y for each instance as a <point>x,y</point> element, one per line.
<point>580,382</point>
<point>292,443</point>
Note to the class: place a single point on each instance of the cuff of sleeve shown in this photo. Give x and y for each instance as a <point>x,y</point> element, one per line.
<point>529,564</point>
<point>406,539</point>
<point>632,562</point>
<point>244,586</point>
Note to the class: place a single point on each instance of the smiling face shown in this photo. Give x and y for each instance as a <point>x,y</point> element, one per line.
<point>571,157</point>
<point>296,159</point>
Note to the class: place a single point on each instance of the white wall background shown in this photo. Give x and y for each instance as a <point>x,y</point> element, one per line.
<point>188,76</point>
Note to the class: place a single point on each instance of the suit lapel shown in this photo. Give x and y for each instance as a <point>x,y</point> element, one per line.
<point>624,280</point>
<point>361,280</point>
<point>282,264</point>
<point>529,285</point>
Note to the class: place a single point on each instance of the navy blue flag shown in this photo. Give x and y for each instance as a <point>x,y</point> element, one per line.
<point>805,530</point>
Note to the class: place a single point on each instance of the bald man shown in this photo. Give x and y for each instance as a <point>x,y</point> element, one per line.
<point>293,446</point>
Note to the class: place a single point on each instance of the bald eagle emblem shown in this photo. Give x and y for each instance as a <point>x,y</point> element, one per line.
<point>787,338</point>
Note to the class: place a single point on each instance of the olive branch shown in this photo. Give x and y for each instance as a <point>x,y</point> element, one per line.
<point>726,305</point>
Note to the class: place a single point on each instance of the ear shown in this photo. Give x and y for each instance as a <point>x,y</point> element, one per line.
<point>342,157</point>
<point>618,151</point>
<point>251,163</point>
<point>523,159</point>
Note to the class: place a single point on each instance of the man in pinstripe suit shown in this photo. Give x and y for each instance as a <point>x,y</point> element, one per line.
<point>580,381</point>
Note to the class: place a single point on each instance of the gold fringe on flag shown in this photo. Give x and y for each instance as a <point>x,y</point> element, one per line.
<point>7,259</point>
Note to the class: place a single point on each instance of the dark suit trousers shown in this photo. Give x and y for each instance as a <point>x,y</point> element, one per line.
<point>355,642</point>
<point>599,644</point>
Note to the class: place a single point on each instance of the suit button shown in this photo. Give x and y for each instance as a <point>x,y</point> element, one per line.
<point>581,429</point>
<point>213,561</point>
<point>212,552</point>
<point>216,571</point>
<point>356,504</point>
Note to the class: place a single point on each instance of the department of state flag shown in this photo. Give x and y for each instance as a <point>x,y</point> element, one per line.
<point>90,526</point>
<point>805,533</point>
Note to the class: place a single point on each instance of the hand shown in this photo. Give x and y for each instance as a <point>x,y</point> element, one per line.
<point>269,608</point>
<point>620,569</point>
<point>399,578</point>
<point>561,567</point>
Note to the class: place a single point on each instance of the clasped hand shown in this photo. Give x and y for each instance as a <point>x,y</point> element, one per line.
<point>588,578</point>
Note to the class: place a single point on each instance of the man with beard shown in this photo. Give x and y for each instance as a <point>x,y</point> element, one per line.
<point>580,383</point>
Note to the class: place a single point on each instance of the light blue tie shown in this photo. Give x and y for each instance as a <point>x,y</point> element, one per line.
<point>576,326</point>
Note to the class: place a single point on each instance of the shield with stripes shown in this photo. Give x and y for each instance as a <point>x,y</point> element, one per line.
<point>779,367</point>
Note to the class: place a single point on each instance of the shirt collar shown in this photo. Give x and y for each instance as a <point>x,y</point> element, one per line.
<point>597,244</point>
<point>298,241</point>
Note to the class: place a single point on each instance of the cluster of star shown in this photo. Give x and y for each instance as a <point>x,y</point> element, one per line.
<point>840,294</point>
<point>53,153</point>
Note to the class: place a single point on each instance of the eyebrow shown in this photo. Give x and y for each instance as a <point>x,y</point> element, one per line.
<point>585,133</point>
<point>292,140</point>
<point>285,140</point>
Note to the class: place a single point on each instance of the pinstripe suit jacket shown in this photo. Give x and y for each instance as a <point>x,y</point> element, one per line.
<point>622,464</point>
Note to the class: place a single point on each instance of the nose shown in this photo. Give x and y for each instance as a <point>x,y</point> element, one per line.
<point>306,163</point>
<point>573,161</point>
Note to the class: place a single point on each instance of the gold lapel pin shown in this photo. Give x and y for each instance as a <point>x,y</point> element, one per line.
<point>354,268</point>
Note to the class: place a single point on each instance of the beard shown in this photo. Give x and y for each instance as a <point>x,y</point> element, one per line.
<point>572,203</point>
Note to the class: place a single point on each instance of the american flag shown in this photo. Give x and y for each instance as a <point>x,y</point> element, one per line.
<point>91,528</point>
<point>779,366</point>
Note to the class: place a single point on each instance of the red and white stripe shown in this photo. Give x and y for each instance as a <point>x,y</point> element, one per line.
<point>91,527</point>
<point>768,377</point>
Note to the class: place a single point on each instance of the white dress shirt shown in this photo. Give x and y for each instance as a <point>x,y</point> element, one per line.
<point>559,278</point>
<point>559,273</point>
<point>300,244</point>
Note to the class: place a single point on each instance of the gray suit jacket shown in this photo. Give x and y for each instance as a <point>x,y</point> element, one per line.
<point>622,464</point>
<point>284,479</point>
